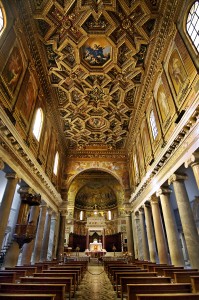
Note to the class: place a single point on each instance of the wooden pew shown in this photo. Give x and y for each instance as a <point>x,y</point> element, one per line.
<point>115,269</point>
<point>132,270</point>
<point>161,288</point>
<point>52,280</point>
<point>185,276</point>
<point>178,296</point>
<point>160,270</point>
<point>8,277</point>
<point>151,267</point>
<point>19,273</point>
<point>77,272</point>
<point>29,270</point>
<point>131,274</point>
<point>78,268</point>
<point>124,281</point>
<point>27,296</point>
<point>64,270</point>
<point>195,284</point>
<point>57,289</point>
<point>72,275</point>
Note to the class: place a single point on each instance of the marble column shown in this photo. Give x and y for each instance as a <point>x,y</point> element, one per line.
<point>28,247</point>
<point>103,239</point>
<point>150,232</point>
<point>6,203</point>
<point>40,231</point>
<point>44,247</point>
<point>187,219</point>
<point>63,213</point>
<point>87,239</point>
<point>54,224</point>
<point>174,244</point>
<point>193,162</point>
<point>159,231</point>
<point>129,234</point>
<point>144,235</point>
<point>135,238</point>
<point>138,236</point>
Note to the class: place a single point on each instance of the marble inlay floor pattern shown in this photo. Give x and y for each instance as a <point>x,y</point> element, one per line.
<point>95,285</point>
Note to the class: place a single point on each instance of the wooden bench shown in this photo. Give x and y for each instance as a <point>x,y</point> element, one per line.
<point>195,284</point>
<point>168,296</point>
<point>27,296</point>
<point>117,269</point>
<point>185,276</point>
<point>124,281</point>
<point>78,268</point>
<point>127,270</point>
<point>29,270</point>
<point>19,273</point>
<point>160,270</point>
<point>52,280</point>
<point>161,288</point>
<point>72,275</point>
<point>8,277</point>
<point>58,289</point>
<point>77,272</point>
<point>131,274</point>
<point>151,267</point>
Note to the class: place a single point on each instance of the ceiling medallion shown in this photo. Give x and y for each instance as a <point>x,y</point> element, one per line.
<point>96,52</point>
<point>95,96</point>
<point>96,123</point>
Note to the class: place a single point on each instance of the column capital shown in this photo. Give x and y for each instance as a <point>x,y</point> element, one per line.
<point>193,160</point>
<point>137,214</point>
<point>63,208</point>
<point>163,191</point>
<point>177,177</point>
<point>2,165</point>
<point>154,199</point>
<point>141,210</point>
<point>11,175</point>
<point>147,204</point>
<point>50,211</point>
<point>127,208</point>
<point>43,204</point>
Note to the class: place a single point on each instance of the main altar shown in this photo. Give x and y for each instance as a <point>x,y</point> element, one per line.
<point>97,225</point>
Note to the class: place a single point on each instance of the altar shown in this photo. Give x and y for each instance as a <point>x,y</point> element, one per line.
<point>95,246</point>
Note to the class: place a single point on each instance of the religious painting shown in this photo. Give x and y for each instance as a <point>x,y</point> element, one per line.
<point>27,96</point>
<point>51,152</point>
<point>176,71</point>
<point>96,51</point>
<point>146,141</point>
<point>162,100</point>
<point>140,156</point>
<point>13,69</point>
<point>46,137</point>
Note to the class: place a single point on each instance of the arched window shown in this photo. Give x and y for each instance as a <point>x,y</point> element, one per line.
<point>56,163</point>
<point>192,24</point>
<point>153,125</point>
<point>109,215</point>
<point>2,18</point>
<point>81,215</point>
<point>38,124</point>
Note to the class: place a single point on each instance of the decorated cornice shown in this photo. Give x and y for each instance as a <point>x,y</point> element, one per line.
<point>117,154</point>
<point>17,155</point>
<point>184,140</point>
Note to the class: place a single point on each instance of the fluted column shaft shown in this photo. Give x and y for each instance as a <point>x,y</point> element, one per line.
<point>150,232</point>
<point>44,248</point>
<point>175,248</point>
<point>159,232</point>
<point>144,235</point>
<point>187,219</point>
<point>28,247</point>
<point>40,231</point>
<point>6,203</point>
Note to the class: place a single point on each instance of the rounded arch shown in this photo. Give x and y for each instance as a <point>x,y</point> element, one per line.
<point>119,179</point>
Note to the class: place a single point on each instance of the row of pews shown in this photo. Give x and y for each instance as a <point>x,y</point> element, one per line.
<point>48,280</point>
<point>143,280</point>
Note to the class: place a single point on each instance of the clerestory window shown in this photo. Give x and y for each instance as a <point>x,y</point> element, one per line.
<point>38,123</point>
<point>153,124</point>
<point>56,163</point>
<point>192,24</point>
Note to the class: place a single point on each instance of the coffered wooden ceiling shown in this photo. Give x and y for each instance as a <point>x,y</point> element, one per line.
<point>96,54</point>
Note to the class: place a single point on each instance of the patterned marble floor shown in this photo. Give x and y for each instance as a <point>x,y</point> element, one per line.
<point>95,285</point>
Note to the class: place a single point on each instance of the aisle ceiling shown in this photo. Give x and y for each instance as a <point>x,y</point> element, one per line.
<point>95,54</point>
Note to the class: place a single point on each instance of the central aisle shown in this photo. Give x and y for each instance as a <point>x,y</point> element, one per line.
<point>95,285</point>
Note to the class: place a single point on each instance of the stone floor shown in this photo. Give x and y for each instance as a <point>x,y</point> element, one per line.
<point>95,285</point>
